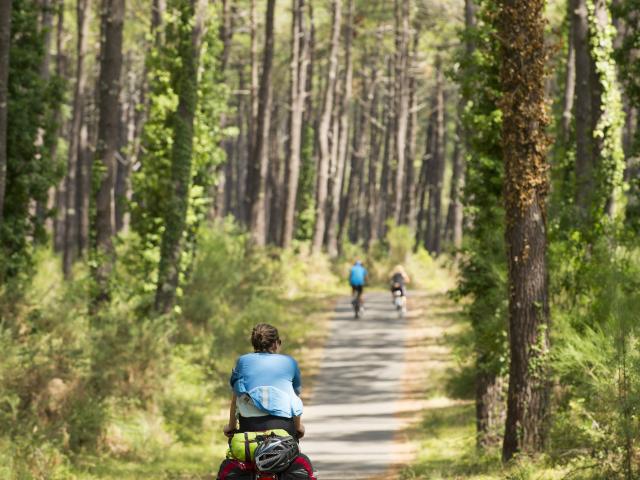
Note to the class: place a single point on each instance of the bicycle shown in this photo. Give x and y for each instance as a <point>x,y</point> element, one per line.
<point>400,302</point>
<point>356,302</point>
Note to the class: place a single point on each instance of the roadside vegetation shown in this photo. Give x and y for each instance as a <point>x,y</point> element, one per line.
<point>128,395</point>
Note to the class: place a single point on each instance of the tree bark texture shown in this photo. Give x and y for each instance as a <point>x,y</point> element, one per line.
<point>299,59</point>
<point>108,140</point>
<point>436,175</point>
<point>186,86</point>
<point>5,38</point>
<point>343,141</point>
<point>326,118</point>
<point>71,242</point>
<point>521,29</point>
<point>402,100</point>
<point>490,413</point>
<point>453,227</point>
<point>259,161</point>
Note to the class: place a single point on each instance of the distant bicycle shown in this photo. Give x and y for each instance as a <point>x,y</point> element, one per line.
<point>357,304</point>
<point>399,279</point>
<point>399,299</point>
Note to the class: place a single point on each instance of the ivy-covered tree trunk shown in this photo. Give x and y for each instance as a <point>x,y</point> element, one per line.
<point>108,142</point>
<point>5,37</point>
<point>598,107</point>
<point>187,36</point>
<point>521,30</point>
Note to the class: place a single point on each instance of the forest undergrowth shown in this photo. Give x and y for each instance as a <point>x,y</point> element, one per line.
<point>129,395</point>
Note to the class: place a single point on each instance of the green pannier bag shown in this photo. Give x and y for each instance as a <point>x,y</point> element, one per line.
<point>242,446</point>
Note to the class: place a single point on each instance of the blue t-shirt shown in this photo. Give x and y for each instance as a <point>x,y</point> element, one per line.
<point>271,380</point>
<point>357,276</point>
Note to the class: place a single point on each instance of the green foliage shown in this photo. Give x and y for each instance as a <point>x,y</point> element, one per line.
<point>152,183</point>
<point>608,131</point>
<point>597,357</point>
<point>483,271</point>
<point>32,131</point>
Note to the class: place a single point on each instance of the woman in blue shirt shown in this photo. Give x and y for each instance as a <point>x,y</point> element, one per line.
<point>266,387</point>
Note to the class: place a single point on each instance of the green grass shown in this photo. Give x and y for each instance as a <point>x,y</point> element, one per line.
<point>445,434</point>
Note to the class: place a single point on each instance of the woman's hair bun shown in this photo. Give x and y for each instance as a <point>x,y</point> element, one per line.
<point>264,337</point>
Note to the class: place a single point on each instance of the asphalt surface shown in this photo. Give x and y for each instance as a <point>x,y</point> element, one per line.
<point>353,419</point>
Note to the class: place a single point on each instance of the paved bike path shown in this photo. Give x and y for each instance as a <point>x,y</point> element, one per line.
<point>353,417</point>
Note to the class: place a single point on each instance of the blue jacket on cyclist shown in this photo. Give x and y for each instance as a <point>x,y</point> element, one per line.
<point>358,275</point>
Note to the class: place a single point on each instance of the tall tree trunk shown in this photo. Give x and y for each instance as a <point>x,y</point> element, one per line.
<point>221,192</point>
<point>108,141</point>
<point>436,176</point>
<point>275,190</point>
<point>71,244</point>
<point>409,200</point>
<point>5,38</point>
<point>588,94</point>
<point>259,161</point>
<point>453,227</point>
<point>384,195</point>
<point>570,82</point>
<point>86,156</point>
<point>186,81</point>
<point>299,59</point>
<point>343,140</point>
<point>401,103</point>
<point>356,184</point>
<point>372,173</point>
<point>423,185</point>
<point>323,132</point>
<point>521,28</point>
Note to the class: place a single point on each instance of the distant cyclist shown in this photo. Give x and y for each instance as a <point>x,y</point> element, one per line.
<point>399,280</point>
<point>357,280</point>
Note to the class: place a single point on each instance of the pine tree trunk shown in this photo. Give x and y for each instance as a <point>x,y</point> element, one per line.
<point>5,38</point>
<point>385,174</point>
<point>401,104</point>
<point>436,175</point>
<point>409,201</point>
<point>323,132</point>
<point>372,174</point>
<point>453,228</point>
<point>186,81</point>
<point>521,29</point>
<point>108,141</point>
<point>299,58</point>
<point>71,244</point>
<point>86,154</point>
<point>259,161</point>
<point>355,186</point>
<point>490,413</point>
<point>252,118</point>
<point>343,140</point>
<point>423,187</point>
<point>570,83</point>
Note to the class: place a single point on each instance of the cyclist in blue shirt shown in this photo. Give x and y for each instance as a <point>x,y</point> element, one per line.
<point>266,387</point>
<point>357,280</point>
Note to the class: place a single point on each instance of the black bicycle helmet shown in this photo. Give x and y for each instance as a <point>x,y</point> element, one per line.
<point>275,454</point>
